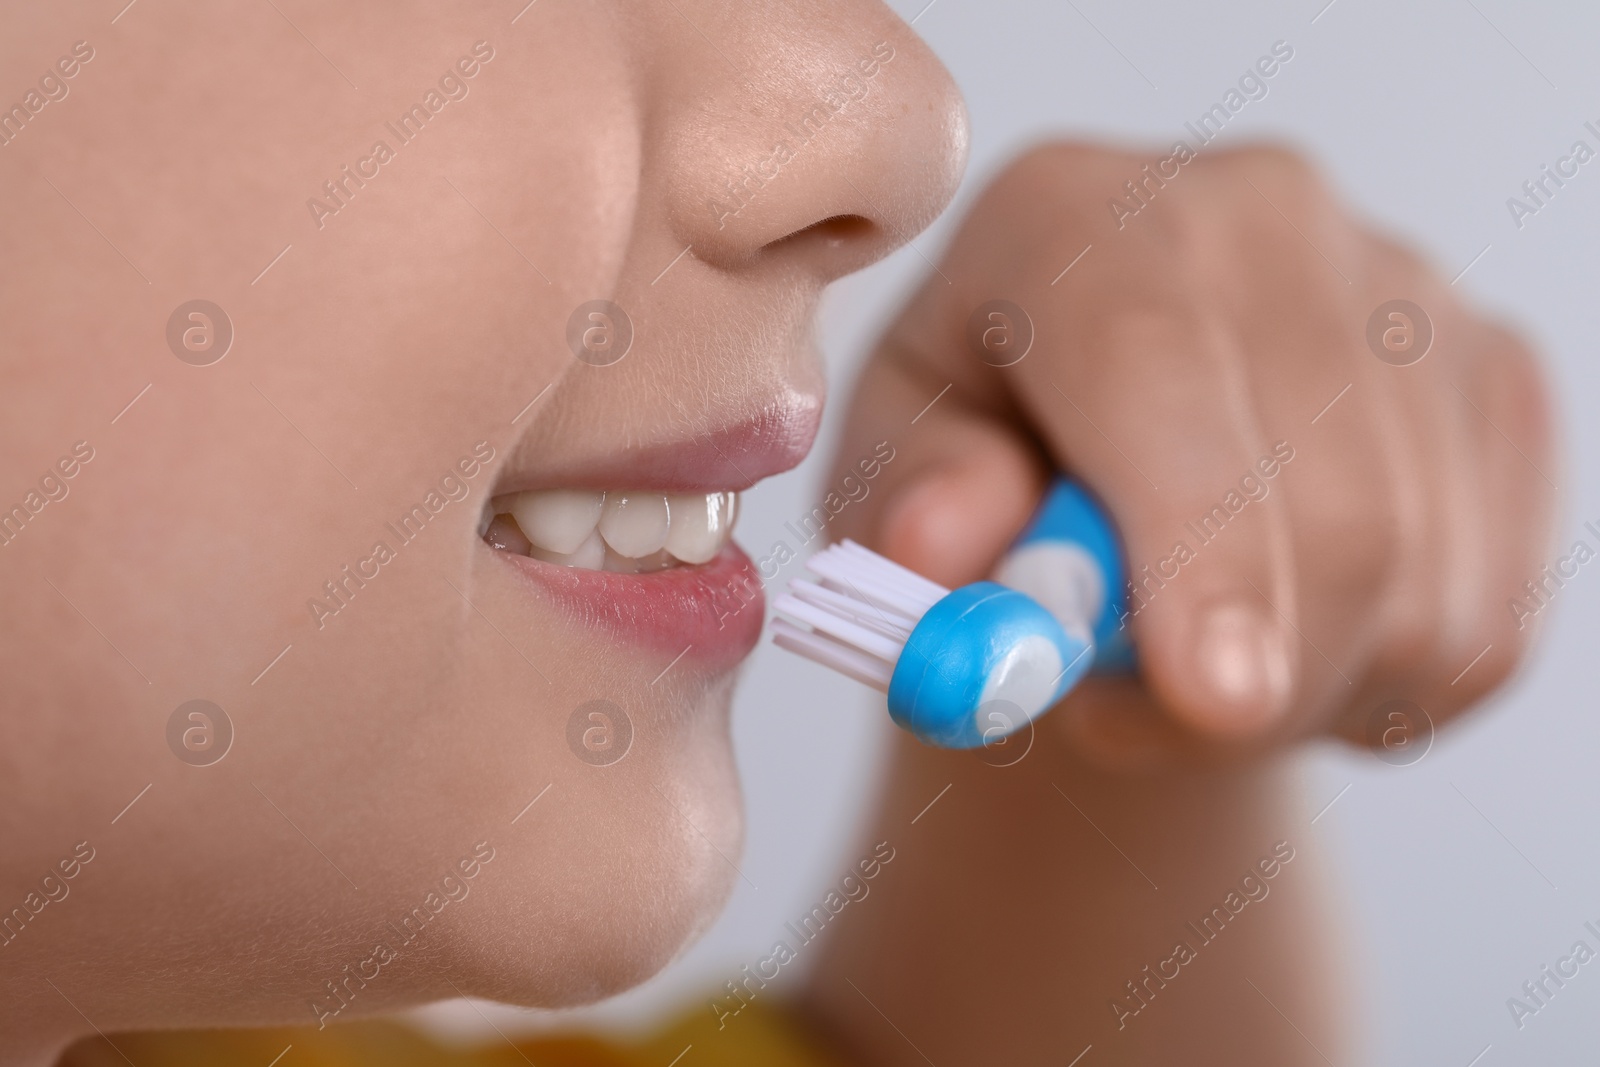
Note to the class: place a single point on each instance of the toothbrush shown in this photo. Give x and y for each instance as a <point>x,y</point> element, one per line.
<point>966,667</point>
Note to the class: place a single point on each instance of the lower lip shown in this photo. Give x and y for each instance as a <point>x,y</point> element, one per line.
<point>711,614</point>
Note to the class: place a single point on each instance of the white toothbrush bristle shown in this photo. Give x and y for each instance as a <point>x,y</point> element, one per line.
<point>860,610</point>
<point>850,662</point>
<point>840,627</point>
<point>891,624</point>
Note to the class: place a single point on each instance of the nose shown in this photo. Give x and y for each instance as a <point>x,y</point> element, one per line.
<point>825,134</point>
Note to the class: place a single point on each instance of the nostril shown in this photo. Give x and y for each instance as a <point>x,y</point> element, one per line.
<point>845,226</point>
<point>837,230</point>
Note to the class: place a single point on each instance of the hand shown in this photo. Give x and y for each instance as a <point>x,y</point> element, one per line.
<point>1313,529</point>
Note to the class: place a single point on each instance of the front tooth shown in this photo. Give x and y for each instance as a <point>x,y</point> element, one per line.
<point>635,524</point>
<point>700,525</point>
<point>558,520</point>
<point>589,555</point>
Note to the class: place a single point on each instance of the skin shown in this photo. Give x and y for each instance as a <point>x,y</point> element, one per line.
<point>1378,566</point>
<point>408,327</point>
<point>412,725</point>
<point>1046,886</point>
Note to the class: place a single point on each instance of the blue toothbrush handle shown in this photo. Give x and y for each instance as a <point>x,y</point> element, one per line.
<point>1069,558</point>
<point>991,656</point>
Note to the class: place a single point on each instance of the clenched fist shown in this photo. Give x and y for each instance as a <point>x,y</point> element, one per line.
<point>1331,475</point>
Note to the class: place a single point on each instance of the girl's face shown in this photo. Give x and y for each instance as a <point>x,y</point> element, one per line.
<point>291,293</point>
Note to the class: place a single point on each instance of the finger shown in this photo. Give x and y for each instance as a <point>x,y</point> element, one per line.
<point>1360,493</point>
<point>1400,448</point>
<point>1208,555</point>
<point>962,482</point>
<point>1470,505</point>
<point>1505,455</point>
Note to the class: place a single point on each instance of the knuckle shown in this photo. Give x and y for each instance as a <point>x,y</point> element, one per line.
<point>1052,158</point>
<point>1055,176</point>
<point>1396,263</point>
<point>1292,188</point>
<point>1276,163</point>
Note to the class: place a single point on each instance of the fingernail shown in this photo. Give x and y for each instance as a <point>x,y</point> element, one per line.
<point>1244,658</point>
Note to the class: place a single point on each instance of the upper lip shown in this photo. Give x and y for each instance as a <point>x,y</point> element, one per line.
<point>729,457</point>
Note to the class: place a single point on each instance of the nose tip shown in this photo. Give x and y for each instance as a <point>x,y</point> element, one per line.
<point>840,161</point>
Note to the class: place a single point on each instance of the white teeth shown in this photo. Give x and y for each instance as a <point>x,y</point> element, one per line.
<point>626,532</point>
<point>558,520</point>
<point>635,524</point>
<point>700,525</point>
<point>589,555</point>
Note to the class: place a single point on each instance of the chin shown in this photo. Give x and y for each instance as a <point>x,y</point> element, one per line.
<point>623,880</point>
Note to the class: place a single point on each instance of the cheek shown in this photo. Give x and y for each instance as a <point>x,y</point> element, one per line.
<point>409,713</point>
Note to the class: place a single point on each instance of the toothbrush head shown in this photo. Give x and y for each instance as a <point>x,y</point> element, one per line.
<point>982,663</point>
<point>961,669</point>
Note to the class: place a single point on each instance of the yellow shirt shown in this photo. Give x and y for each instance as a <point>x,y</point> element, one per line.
<point>760,1035</point>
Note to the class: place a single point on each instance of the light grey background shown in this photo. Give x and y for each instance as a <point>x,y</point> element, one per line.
<point>1465,873</point>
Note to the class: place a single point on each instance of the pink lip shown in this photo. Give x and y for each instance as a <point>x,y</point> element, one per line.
<point>710,614</point>
<point>730,458</point>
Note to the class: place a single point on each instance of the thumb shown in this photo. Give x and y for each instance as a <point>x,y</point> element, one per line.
<point>962,483</point>
<point>955,517</point>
